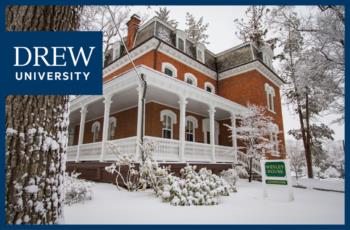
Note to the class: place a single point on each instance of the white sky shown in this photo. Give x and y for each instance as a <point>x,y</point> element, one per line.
<point>222,36</point>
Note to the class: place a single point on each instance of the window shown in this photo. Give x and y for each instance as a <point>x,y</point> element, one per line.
<point>190,79</point>
<point>181,40</point>
<point>169,69</point>
<point>274,140</point>
<point>111,128</point>
<point>200,48</point>
<point>181,44</point>
<point>95,129</point>
<point>270,95</point>
<point>209,87</point>
<point>71,136</point>
<point>191,125</point>
<point>168,119</point>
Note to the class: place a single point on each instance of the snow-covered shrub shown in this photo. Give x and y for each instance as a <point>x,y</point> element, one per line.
<point>76,190</point>
<point>131,178</point>
<point>193,188</point>
<point>331,172</point>
<point>232,175</point>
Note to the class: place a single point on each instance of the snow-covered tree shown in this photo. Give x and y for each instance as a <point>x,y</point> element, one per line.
<point>310,87</point>
<point>297,158</point>
<point>196,29</point>
<point>253,131</point>
<point>36,131</point>
<point>163,14</point>
<point>98,18</point>
<point>253,27</point>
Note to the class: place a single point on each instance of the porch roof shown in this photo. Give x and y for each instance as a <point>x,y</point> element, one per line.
<point>161,89</point>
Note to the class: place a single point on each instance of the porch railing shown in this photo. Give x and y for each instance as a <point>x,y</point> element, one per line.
<point>166,150</point>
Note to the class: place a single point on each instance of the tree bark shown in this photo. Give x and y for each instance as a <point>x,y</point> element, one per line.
<point>308,155</point>
<point>36,134</point>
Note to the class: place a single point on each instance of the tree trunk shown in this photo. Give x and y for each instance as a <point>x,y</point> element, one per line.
<point>36,134</point>
<point>310,173</point>
<point>250,169</point>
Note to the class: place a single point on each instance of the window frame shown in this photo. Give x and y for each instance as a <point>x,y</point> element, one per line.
<point>95,129</point>
<point>194,122</point>
<point>112,120</point>
<point>211,86</point>
<point>167,65</point>
<point>270,98</point>
<point>163,119</point>
<point>192,77</point>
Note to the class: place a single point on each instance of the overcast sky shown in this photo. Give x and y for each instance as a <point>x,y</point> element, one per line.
<point>221,33</point>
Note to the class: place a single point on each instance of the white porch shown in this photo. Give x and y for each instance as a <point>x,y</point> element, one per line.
<point>124,91</point>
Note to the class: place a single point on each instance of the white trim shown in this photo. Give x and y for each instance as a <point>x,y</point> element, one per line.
<point>94,126</point>
<point>170,114</point>
<point>256,65</point>
<point>206,128</point>
<point>200,47</point>
<point>171,67</point>
<point>270,91</point>
<point>208,84</point>
<point>134,54</point>
<point>183,36</point>
<point>188,61</point>
<point>112,120</point>
<point>191,76</point>
<point>192,119</point>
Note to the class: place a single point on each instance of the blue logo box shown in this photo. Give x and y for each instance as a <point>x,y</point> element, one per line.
<point>53,63</point>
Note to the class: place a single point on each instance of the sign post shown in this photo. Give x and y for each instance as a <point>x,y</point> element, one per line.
<point>276,172</point>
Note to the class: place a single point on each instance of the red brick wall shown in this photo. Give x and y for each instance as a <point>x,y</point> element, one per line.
<point>126,126</point>
<point>154,125</point>
<point>146,59</point>
<point>182,69</point>
<point>249,88</point>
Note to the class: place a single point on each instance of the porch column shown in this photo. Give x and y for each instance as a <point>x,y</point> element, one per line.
<point>83,112</point>
<point>212,130</point>
<point>139,121</point>
<point>234,136</point>
<point>107,102</point>
<point>182,128</point>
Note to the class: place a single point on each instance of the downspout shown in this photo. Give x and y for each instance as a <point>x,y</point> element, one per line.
<point>144,85</point>
<point>217,77</point>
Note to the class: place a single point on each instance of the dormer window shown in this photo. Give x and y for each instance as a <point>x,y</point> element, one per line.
<point>181,44</point>
<point>200,52</point>
<point>209,87</point>
<point>190,79</point>
<point>270,95</point>
<point>181,40</point>
<point>169,69</point>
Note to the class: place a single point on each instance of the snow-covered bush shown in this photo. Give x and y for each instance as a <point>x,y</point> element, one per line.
<point>331,172</point>
<point>130,178</point>
<point>193,188</point>
<point>76,190</point>
<point>232,175</point>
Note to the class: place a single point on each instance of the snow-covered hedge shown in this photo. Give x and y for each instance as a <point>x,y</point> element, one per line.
<point>76,190</point>
<point>193,188</point>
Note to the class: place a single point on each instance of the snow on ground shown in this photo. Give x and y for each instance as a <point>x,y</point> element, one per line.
<point>330,184</point>
<point>111,206</point>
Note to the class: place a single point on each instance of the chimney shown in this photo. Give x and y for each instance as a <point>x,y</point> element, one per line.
<point>133,26</point>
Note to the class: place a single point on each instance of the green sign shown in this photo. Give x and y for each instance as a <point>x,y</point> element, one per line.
<point>275,169</point>
<point>279,182</point>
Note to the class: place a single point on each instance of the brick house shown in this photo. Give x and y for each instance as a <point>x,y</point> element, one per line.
<point>191,93</point>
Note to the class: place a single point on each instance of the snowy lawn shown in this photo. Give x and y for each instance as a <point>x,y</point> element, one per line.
<point>328,184</point>
<point>110,206</point>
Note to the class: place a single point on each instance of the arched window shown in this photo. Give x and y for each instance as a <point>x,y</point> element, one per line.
<point>191,125</point>
<point>95,129</point>
<point>270,95</point>
<point>209,87</point>
<point>190,79</point>
<point>273,132</point>
<point>169,69</point>
<point>168,119</point>
<point>111,128</point>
